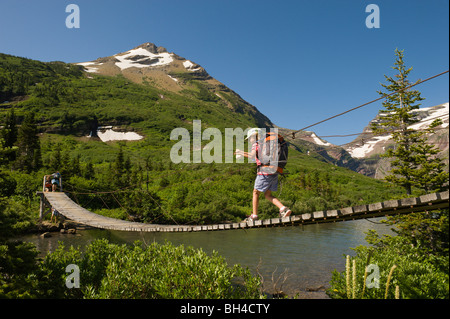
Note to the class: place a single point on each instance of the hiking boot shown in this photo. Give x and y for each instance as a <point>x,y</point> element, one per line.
<point>286,212</point>
<point>250,218</point>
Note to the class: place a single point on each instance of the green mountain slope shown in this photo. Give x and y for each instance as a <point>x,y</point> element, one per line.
<point>136,179</point>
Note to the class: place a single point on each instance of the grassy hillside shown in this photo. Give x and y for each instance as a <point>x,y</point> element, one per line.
<point>136,180</point>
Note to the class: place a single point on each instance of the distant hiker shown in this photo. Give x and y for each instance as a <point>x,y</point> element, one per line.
<point>267,175</point>
<point>56,177</point>
<point>55,214</point>
<point>48,184</point>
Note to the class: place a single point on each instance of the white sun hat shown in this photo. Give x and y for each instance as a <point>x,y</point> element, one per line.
<point>253,131</point>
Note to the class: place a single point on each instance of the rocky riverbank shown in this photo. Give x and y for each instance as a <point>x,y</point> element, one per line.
<point>46,228</point>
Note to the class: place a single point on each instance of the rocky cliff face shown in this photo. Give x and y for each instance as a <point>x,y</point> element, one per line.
<point>310,144</point>
<point>367,147</point>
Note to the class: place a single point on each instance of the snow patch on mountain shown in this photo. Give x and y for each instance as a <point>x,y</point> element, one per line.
<point>318,141</point>
<point>142,58</point>
<point>190,66</point>
<point>88,66</point>
<point>432,113</point>
<point>175,79</point>
<point>369,146</point>
<point>108,134</point>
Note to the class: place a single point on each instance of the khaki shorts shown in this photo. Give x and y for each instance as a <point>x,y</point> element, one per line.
<point>264,183</point>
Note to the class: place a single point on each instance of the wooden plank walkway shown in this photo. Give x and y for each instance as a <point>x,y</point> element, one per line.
<point>66,207</point>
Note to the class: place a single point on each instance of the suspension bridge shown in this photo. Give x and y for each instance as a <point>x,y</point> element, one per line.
<point>70,210</point>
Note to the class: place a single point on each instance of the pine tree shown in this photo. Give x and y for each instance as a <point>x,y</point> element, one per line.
<point>29,147</point>
<point>3,152</point>
<point>88,171</point>
<point>55,159</point>
<point>9,134</point>
<point>414,162</point>
<point>9,131</point>
<point>119,169</point>
<point>74,166</point>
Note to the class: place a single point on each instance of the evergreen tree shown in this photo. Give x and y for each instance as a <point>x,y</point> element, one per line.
<point>65,168</point>
<point>37,155</point>
<point>88,171</point>
<point>119,169</point>
<point>9,131</point>
<point>9,134</point>
<point>4,152</point>
<point>29,148</point>
<point>414,162</point>
<point>55,159</point>
<point>75,167</point>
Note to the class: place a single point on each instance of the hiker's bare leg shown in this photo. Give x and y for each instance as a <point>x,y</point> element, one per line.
<point>255,201</point>
<point>273,200</point>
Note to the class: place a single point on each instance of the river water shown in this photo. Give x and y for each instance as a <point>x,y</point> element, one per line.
<point>306,254</point>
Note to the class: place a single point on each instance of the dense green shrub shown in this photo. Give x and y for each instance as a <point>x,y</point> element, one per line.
<point>418,275</point>
<point>18,268</point>
<point>152,272</point>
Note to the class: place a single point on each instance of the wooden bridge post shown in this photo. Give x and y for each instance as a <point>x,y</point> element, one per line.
<point>41,205</point>
<point>44,206</point>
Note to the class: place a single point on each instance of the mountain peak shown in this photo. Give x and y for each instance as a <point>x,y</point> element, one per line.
<point>152,65</point>
<point>151,62</point>
<point>151,47</point>
<point>145,56</point>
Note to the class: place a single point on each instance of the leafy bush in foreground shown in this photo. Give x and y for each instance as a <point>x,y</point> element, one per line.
<point>153,272</point>
<point>417,275</point>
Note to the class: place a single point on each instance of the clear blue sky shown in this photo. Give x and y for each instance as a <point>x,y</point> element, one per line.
<point>297,61</point>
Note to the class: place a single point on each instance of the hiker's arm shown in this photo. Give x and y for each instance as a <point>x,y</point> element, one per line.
<point>250,155</point>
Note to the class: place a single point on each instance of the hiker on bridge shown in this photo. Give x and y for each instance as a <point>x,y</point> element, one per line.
<point>55,214</point>
<point>56,180</point>
<point>47,183</point>
<point>267,175</point>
